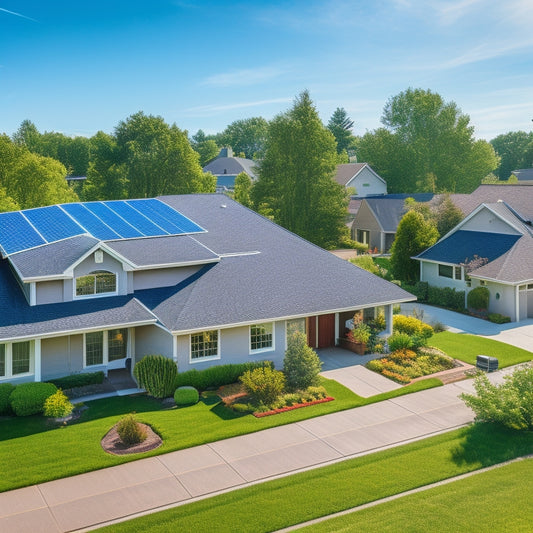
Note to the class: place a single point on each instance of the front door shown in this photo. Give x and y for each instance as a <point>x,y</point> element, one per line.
<point>326,331</point>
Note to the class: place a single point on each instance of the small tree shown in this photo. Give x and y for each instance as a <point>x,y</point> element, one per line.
<point>510,403</point>
<point>263,384</point>
<point>243,188</point>
<point>301,365</point>
<point>478,298</point>
<point>130,431</point>
<point>156,374</point>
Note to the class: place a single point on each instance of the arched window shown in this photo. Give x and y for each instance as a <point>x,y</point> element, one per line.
<point>97,282</point>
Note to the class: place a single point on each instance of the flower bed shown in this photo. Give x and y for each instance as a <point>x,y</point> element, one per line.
<point>291,407</point>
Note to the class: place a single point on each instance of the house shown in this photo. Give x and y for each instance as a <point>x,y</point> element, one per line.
<point>491,247</point>
<point>362,178</point>
<point>523,174</point>
<point>198,278</point>
<point>226,167</point>
<point>377,219</point>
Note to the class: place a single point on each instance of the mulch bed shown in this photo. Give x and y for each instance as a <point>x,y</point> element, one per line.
<point>290,408</point>
<point>111,443</point>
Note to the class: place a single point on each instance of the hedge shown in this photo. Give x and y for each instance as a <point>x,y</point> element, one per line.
<point>5,391</point>
<point>28,398</point>
<point>78,380</point>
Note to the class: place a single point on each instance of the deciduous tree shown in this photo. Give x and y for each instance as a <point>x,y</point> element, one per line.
<point>246,135</point>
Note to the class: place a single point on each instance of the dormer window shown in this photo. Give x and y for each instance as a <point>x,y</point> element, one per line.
<point>95,283</point>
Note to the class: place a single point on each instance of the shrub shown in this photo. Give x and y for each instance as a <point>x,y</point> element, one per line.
<point>186,395</point>
<point>57,405</point>
<point>242,408</point>
<point>301,364</point>
<point>478,298</point>
<point>446,297</point>
<point>399,341</point>
<point>157,374</point>
<point>498,319</point>
<point>510,403</point>
<point>28,398</point>
<point>78,380</point>
<point>419,289</point>
<point>360,333</point>
<point>130,431</point>
<point>376,365</point>
<point>216,376</point>
<point>5,391</point>
<point>317,393</point>
<point>412,326</point>
<point>265,385</point>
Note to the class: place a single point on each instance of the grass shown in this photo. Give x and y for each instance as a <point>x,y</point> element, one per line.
<point>467,347</point>
<point>497,500</point>
<point>295,499</point>
<point>52,452</point>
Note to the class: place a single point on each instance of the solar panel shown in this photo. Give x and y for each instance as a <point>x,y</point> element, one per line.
<point>17,234</point>
<point>119,225</point>
<point>53,223</point>
<point>136,219</point>
<point>90,221</point>
<point>162,214</point>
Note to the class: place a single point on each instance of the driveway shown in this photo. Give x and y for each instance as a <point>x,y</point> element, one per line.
<point>518,334</point>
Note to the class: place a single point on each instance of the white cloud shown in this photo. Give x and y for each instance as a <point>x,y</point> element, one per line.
<point>252,76</point>
<point>16,14</point>
<point>206,110</point>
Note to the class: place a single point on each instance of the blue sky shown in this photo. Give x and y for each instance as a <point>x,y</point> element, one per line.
<point>80,67</point>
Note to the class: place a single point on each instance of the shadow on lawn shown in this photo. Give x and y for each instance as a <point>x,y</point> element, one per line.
<point>488,444</point>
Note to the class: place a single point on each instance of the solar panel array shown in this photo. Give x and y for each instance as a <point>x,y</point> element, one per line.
<point>117,219</point>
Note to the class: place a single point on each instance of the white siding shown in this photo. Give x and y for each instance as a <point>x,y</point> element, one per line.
<point>366,183</point>
<point>487,221</point>
<point>49,292</point>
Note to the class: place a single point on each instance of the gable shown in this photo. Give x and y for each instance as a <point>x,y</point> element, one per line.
<point>487,220</point>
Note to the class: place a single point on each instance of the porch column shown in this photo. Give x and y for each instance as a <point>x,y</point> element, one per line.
<point>388,321</point>
<point>517,302</point>
<point>337,333</point>
<point>37,359</point>
<point>175,348</point>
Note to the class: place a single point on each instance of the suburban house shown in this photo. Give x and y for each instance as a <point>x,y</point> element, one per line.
<point>377,219</point>
<point>362,178</point>
<point>198,278</point>
<point>491,247</point>
<point>226,167</point>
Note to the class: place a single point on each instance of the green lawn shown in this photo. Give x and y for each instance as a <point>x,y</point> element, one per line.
<point>466,347</point>
<point>295,499</point>
<point>497,500</point>
<point>52,452</point>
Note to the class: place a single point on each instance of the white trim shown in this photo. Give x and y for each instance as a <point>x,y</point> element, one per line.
<point>171,265</point>
<point>261,350</point>
<point>36,359</point>
<point>94,295</point>
<point>33,293</point>
<point>69,272</point>
<point>8,351</point>
<point>211,357</point>
<point>105,349</point>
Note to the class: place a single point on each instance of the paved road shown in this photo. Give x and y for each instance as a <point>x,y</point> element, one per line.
<point>154,483</point>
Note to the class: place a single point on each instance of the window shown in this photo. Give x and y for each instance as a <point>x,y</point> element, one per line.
<point>98,282</point>
<point>2,360</point>
<point>16,358</point>
<point>261,337</point>
<point>458,273</point>
<point>445,271</point>
<point>103,347</point>
<point>363,236</point>
<point>204,345</point>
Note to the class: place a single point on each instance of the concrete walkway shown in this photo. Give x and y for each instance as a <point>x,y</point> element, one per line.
<point>155,483</point>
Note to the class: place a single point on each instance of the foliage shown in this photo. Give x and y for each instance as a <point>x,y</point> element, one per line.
<point>247,135</point>
<point>419,289</point>
<point>361,332</point>
<point>399,341</point>
<point>340,125</point>
<point>186,395</point>
<point>217,376</point>
<point>472,264</point>
<point>515,149</point>
<point>446,297</point>
<point>411,326</point>
<point>498,318</point>
<point>447,215</point>
<point>426,144</point>
<point>265,385</point>
<point>243,189</point>
<point>478,298</point>
<point>130,431</point>
<point>157,374</point>
<point>28,398</point>
<point>5,392</point>
<point>367,263</point>
<point>207,150</point>
<point>295,184</point>
<point>510,403</point>
<point>414,235</point>
<point>57,405</point>
<point>78,380</point>
<point>301,364</point>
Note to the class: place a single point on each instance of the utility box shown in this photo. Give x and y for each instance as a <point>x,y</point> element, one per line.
<point>489,364</point>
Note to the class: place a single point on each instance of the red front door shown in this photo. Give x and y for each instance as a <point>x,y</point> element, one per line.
<point>326,331</point>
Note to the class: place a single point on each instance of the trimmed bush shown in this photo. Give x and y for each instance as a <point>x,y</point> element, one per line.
<point>157,374</point>
<point>265,385</point>
<point>216,376</point>
<point>419,289</point>
<point>28,398</point>
<point>186,395</point>
<point>130,431</point>
<point>399,341</point>
<point>57,405</point>
<point>498,319</point>
<point>5,392</point>
<point>478,298</point>
<point>411,326</point>
<point>446,297</point>
<point>78,380</point>
<point>301,364</point>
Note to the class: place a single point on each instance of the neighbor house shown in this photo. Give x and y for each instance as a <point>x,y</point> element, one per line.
<point>491,247</point>
<point>198,278</point>
<point>225,167</point>
<point>362,178</point>
<point>523,175</point>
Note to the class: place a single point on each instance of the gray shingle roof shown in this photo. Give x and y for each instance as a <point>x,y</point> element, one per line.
<point>173,250</point>
<point>346,171</point>
<point>231,166</point>
<point>52,259</point>
<point>524,174</point>
<point>388,212</point>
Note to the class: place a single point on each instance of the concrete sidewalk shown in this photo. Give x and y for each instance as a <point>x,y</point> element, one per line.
<point>124,491</point>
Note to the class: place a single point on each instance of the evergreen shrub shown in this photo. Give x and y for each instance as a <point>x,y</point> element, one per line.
<point>130,431</point>
<point>5,392</point>
<point>28,398</point>
<point>399,341</point>
<point>478,298</point>
<point>186,395</point>
<point>497,318</point>
<point>78,380</point>
<point>301,364</point>
<point>157,374</point>
<point>265,385</point>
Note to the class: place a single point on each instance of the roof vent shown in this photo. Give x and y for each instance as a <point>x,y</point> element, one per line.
<point>223,206</point>
<point>500,201</point>
<point>98,256</point>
